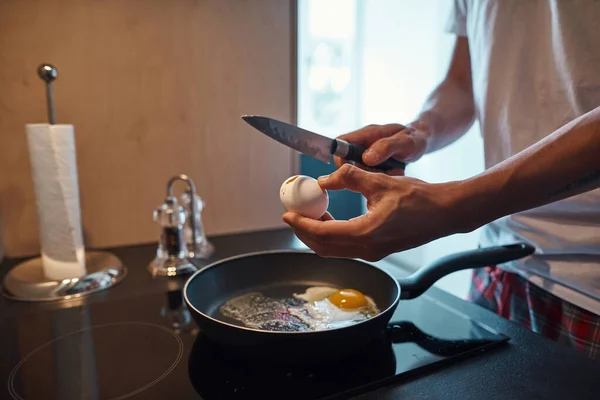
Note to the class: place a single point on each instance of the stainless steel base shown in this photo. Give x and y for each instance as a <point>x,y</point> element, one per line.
<point>171,267</point>
<point>205,250</point>
<point>26,281</point>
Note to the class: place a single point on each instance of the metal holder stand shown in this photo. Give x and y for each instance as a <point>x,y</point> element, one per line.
<point>26,281</point>
<point>173,254</point>
<point>197,245</point>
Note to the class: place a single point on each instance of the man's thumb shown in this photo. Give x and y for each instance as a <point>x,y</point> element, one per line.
<point>347,177</point>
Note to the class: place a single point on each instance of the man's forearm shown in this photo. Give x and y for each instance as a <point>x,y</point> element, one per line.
<point>564,164</point>
<point>449,111</point>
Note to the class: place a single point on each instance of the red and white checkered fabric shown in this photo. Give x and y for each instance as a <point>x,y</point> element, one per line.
<point>515,298</point>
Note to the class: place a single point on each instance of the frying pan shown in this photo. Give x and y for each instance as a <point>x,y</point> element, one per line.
<point>281,273</point>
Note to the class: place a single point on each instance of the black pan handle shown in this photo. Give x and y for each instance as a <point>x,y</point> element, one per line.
<point>405,331</point>
<point>416,284</point>
<point>354,152</point>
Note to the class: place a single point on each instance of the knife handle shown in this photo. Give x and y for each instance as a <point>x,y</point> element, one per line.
<point>354,152</point>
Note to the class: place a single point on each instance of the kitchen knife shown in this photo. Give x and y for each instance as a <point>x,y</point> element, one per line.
<point>313,144</point>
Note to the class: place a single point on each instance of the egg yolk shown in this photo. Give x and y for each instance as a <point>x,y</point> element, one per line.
<point>348,298</point>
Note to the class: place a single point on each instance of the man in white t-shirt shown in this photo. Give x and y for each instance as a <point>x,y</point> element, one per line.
<point>529,73</point>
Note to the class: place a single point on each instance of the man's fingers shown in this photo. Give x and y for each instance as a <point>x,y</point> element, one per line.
<point>345,250</point>
<point>339,161</point>
<point>370,133</point>
<point>331,249</point>
<point>382,142</point>
<point>352,178</point>
<point>396,172</point>
<point>392,172</point>
<point>327,217</point>
<point>331,230</point>
<point>346,177</point>
<point>399,146</point>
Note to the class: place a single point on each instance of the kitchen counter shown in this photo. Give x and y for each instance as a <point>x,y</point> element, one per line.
<point>528,367</point>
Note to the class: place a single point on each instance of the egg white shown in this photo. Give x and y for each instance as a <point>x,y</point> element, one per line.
<point>320,313</point>
<point>316,293</point>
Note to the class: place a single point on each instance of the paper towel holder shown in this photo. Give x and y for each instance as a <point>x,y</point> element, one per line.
<point>27,282</point>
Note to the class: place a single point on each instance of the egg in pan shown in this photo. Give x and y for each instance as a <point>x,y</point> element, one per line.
<point>328,308</point>
<point>318,308</point>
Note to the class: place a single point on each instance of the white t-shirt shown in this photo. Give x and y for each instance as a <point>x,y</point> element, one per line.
<point>535,67</point>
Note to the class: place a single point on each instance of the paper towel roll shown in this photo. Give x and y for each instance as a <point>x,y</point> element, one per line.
<point>54,169</point>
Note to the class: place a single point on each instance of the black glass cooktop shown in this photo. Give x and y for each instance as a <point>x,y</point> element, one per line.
<point>149,348</point>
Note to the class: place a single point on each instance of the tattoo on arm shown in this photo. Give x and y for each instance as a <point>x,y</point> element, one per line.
<point>587,183</point>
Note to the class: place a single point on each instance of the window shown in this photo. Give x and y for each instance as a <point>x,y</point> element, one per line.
<point>375,61</point>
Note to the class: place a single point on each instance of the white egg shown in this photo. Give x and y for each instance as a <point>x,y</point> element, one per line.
<point>303,195</point>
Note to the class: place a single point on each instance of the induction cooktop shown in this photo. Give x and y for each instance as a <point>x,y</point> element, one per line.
<point>149,348</point>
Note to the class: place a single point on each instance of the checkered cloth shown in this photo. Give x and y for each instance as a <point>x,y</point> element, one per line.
<point>515,298</point>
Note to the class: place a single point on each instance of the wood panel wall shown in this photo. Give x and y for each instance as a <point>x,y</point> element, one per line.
<point>154,88</point>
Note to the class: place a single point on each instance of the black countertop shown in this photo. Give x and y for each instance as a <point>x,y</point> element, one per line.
<point>528,367</point>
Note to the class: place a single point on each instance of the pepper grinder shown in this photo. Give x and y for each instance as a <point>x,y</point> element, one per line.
<point>172,254</point>
<point>182,233</point>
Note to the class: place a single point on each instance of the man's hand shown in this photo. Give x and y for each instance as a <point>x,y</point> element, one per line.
<point>403,143</point>
<point>402,213</point>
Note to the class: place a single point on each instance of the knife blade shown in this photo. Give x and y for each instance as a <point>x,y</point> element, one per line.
<point>312,144</point>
